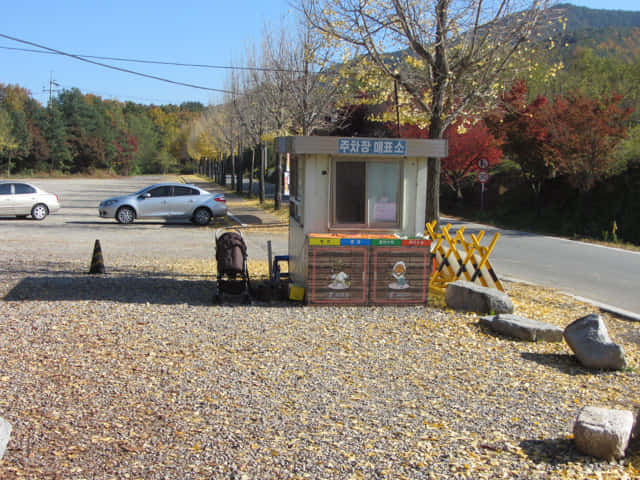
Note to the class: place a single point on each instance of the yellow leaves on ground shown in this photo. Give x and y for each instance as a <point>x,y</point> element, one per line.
<point>105,389</point>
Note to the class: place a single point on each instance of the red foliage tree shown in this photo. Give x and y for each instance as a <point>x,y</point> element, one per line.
<point>573,136</point>
<point>126,147</point>
<point>583,134</point>
<point>524,129</point>
<point>468,143</point>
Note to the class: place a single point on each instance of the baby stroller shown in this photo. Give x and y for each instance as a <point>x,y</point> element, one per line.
<point>231,257</point>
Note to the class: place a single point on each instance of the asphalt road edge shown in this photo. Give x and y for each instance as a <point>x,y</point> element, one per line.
<point>602,306</point>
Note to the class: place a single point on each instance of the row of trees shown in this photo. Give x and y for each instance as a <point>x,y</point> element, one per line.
<point>455,75</point>
<point>288,85</point>
<point>79,133</point>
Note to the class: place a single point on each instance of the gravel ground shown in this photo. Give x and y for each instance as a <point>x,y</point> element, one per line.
<point>136,375</point>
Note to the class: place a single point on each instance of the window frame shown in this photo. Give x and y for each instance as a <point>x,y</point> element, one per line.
<point>189,191</point>
<point>368,224</point>
<point>29,190</point>
<point>160,187</point>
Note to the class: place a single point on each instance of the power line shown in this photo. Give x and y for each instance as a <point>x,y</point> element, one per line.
<point>112,67</point>
<point>158,62</point>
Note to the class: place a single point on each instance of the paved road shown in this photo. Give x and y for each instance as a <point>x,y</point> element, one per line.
<point>604,275</point>
<point>70,234</point>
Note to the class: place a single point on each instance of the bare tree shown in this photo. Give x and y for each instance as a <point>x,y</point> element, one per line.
<point>251,109</point>
<point>218,124</point>
<point>459,52</point>
<point>314,88</point>
<point>300,90</point>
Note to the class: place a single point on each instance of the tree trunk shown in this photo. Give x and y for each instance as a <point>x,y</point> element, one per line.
<point>436,126</point>
<point>432,211</point>
<point>239,167</point>
<point>459,196</point>
<point>253,160</point>
<point>432,207</point>
<point>263,164</point>
<point>239,181</point>
<point>233,170</point>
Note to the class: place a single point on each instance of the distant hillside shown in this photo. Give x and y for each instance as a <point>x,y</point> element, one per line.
<point>582,18</point>
<point>608,32</point>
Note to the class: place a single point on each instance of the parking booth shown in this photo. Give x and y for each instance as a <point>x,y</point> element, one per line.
<point>356,220</point>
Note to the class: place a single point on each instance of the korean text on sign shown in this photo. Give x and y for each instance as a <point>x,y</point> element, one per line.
<point>366,146</point>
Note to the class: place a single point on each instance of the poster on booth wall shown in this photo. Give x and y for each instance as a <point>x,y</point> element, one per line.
<point>338,275</point>
<point>401,275</point>
<point>287,175</point>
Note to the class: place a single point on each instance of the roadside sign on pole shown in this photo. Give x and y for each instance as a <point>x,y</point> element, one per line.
<point>483,163</point>
<point>483,176</point>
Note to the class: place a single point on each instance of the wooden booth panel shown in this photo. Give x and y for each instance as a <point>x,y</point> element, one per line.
<point>400,275</point>
<point>338,275</point>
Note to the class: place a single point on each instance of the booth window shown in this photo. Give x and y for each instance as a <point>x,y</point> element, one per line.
<point>367,194</point>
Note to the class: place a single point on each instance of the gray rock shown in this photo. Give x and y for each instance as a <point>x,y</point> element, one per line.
<point>590,342</point>
<point>5,431</point>
<point>603,433</point>
<point>523,328</point>
<point>467,296</point>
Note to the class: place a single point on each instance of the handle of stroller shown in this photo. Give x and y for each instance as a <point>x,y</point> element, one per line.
<point>222,231</point>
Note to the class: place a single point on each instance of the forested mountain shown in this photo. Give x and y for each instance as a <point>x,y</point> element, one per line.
<point>597,53</point>
<point>608,32</point>
<point>582,18</point>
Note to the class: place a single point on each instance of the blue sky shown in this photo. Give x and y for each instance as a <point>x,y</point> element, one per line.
<point>212,32</point>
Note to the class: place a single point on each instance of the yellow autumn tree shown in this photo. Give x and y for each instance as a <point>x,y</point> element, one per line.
<point>448,58</point>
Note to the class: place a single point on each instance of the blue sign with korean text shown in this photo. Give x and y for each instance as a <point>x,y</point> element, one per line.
<point>372,146</point>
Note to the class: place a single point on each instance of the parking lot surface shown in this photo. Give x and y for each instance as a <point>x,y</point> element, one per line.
<point>69,235</point>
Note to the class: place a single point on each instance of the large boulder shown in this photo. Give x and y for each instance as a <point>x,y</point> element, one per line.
<point>5,431</point>
<point>467,296</point>
<point>522,328</point>
<point>603,433</point>
<point>589,339</point>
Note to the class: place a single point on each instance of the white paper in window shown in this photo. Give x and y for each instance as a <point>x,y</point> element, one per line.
<point>382,188</point>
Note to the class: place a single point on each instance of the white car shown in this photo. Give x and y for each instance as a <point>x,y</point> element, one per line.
<point>23,199</point>
<point>166,200</point>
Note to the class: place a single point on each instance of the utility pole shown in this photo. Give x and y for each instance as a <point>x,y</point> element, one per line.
<point>52,83</point>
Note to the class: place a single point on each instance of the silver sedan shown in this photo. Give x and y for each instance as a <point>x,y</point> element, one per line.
<point>23,199</point>
<point>166,200</point>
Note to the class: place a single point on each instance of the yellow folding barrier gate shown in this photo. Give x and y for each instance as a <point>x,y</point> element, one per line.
<point>471,263</point>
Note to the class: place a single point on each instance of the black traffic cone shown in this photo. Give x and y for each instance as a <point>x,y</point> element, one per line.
<point>97,263</point>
